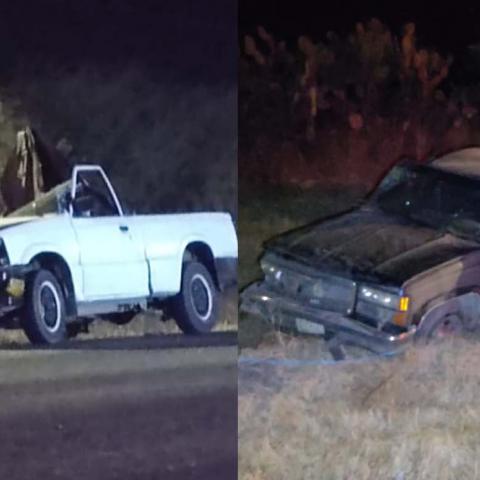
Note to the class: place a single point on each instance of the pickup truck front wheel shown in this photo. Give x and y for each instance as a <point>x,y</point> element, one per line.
<point>195,308</point>
<point>43,317</point>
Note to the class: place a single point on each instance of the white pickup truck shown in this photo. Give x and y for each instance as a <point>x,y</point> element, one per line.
<point>73,254</point>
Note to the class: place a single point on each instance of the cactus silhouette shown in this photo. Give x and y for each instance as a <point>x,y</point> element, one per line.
<point>371,94</point>
<point>252,51</point>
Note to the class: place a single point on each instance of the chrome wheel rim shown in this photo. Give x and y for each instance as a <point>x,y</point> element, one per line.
<point>50,306</point>
<point>201,296</point>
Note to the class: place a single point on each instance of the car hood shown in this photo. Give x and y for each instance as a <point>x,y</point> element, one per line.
<point>372,245</point>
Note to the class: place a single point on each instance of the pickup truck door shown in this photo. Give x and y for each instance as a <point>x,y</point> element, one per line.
<point>113,262</point>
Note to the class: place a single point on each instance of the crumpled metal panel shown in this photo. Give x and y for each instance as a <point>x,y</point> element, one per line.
<point>29,170</point>
<point>32,169</point>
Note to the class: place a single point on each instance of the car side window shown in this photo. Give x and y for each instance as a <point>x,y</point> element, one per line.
<point>92,196</point>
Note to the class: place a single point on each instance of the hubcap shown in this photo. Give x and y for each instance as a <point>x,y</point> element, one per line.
<point>49,306</point>
<point>201,297</point>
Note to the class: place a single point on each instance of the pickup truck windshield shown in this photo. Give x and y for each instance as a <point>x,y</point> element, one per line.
<point>438,199</point>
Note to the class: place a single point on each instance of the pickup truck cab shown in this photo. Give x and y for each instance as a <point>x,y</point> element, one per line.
<point>403,265</point>
<point>73,254</point>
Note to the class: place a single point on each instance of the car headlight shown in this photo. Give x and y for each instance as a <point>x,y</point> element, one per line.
<point>390,300</point>
<point>376,295</point>
<point>382,305</point>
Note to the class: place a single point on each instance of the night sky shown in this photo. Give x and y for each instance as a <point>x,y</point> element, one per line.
<point>449,26</point>
<point>189,39</point>
<point>198,38</point>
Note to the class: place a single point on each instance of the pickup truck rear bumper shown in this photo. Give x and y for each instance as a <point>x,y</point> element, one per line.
<point>285,313</point>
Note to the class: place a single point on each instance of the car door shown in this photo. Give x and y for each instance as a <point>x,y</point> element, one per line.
<point>112,261</point>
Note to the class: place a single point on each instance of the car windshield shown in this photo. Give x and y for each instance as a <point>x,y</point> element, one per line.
<point>52,202</point>
<point>433,197</point>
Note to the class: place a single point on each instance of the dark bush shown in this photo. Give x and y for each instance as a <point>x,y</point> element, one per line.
<point>345,109</point>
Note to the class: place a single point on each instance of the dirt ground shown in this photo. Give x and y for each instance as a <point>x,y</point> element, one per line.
<point>119,414</point>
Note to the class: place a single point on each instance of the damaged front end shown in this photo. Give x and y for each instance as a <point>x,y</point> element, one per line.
<point>12,284</point>
<point>295,297</point>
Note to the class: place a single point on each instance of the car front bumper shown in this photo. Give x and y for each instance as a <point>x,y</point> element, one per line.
<point>287,314</point>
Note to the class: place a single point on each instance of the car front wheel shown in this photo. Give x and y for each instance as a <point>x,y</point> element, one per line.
<point>43,316</point>
<point>195,308</point>
<point>442,328</point>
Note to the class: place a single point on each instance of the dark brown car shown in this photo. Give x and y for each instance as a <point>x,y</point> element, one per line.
<point>404,265</point>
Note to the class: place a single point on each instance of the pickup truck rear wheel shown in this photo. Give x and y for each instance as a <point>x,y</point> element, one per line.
<point>43,316</point>
<point>195,308</point>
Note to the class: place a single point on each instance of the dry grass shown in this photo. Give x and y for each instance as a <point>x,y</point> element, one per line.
<point>413,417</point>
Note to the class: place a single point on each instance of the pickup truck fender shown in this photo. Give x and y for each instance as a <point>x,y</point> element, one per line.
<point>49,252</point>
<point>222,266</point>
<point>166,279</point>
<point>211,237</point>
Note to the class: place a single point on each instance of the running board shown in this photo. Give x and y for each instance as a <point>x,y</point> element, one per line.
<point>99,307</point>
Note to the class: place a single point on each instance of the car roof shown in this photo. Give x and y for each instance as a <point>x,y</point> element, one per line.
<point>465,162</point>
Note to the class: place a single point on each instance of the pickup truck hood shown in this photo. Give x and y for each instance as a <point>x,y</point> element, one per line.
<point>368,244</point>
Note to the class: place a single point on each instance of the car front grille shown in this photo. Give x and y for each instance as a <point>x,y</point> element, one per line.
<point>326,292</point>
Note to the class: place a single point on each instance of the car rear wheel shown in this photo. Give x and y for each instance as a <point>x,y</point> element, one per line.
<point>195,308</point>
<point>43,316</point>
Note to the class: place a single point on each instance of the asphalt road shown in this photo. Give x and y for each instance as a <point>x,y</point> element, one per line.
<point>101,413</point>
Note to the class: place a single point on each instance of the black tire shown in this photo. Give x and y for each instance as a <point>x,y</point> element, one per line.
<point>195,308</point>
<point>442,328</point>
<point>43,315</point>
